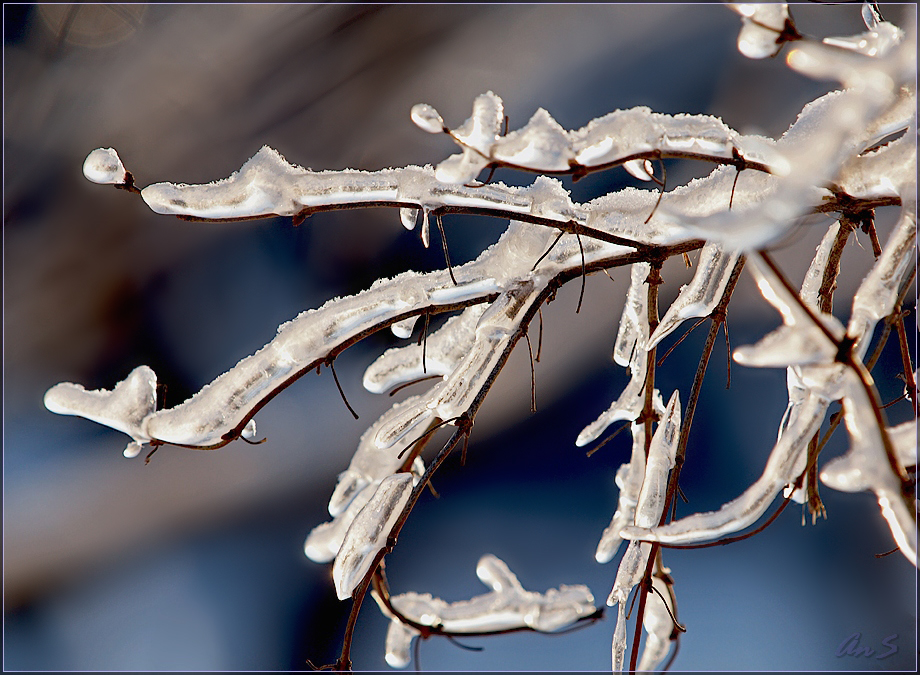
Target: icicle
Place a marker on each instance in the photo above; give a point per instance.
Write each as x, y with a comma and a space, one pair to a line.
125, 408
700, 297
408, 217
426, 229
630, 571
618, 647
495, 574
629, 480
427, 118
369, 531
661, 456
104, 166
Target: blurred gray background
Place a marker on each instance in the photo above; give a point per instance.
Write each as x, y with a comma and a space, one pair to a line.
194, 562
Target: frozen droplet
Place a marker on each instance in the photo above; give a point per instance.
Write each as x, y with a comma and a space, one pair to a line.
639, 168
427, 118
408, 217
249, 431
104, 166
403, 329
133, 449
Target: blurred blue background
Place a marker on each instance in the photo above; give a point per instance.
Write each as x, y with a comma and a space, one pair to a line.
195, 562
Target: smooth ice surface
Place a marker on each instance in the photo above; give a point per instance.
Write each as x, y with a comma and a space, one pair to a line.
658, 626
369, 531
700, 297
659, 463
126, 408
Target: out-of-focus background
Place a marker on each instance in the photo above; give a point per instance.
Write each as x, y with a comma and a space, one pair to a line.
195, 562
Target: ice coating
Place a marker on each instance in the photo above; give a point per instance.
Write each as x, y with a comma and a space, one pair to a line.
629, 480
876, 296
887, 172
658, 626
508, 606
125, 408
782, 468
630, 571
701, 296
618, 644
325, 540
369, 531
659, 463
453, 396
865, 466
103, 165
814, 276
443, 350
370, 464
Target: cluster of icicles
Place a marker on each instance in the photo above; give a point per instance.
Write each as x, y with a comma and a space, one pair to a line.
829, 144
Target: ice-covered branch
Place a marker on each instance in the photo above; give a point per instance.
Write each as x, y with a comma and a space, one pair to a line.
507, 607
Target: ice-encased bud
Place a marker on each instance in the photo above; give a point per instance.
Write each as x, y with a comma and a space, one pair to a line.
369, 531
761, 26
427, 118
249, 431
639, 168
103, 166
